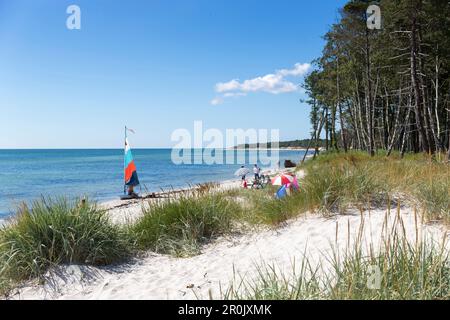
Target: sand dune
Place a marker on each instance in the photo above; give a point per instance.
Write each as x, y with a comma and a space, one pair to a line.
202, 276
207, 275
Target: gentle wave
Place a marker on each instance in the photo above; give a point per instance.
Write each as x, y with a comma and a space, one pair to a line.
98, 174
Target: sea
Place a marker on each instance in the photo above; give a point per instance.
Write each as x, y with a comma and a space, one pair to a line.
26, 175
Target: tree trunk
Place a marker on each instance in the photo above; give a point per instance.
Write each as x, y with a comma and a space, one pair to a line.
369, 100
436, 105
394, 137
355, 126
326, 129
339, 106
416, 85
405, 133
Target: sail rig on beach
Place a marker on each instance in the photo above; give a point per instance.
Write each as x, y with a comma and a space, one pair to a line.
130, 173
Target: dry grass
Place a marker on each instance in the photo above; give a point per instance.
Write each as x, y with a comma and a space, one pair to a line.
395, 269
336, 180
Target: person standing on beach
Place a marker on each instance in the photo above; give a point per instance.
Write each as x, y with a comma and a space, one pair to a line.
256, 171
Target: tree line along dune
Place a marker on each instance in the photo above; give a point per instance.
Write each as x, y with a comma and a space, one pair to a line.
385, 89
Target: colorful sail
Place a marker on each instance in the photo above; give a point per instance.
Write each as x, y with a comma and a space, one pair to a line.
131, 177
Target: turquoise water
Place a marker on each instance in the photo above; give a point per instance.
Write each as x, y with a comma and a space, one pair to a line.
27, 174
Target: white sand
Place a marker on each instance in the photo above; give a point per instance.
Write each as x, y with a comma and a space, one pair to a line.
128, 211
164, 277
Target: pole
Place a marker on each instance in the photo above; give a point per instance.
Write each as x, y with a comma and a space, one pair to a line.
124, 182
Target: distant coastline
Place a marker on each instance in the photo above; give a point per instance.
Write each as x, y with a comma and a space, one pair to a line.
300, 145
275, 149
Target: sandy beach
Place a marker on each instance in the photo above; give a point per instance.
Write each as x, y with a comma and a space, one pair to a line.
215, 150
128, 211
227, 259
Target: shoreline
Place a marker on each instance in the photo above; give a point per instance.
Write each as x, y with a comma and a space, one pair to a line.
181, 178
222, 261
113, 202
127, 211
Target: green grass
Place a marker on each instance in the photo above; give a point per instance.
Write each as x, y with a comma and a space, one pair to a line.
57, 232
335, 187
434, 196
272, 284
408, 271
60, 231
336, 181
180, 226
260, 207
333, 183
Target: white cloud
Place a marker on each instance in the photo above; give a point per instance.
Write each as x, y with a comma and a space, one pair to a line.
228, 86
272, 83
300, 69
216, 101
234, 94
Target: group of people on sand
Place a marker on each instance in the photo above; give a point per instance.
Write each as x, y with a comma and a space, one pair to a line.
256, 172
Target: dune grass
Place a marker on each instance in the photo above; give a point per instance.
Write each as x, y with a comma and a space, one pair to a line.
260, 207
407, 273
335, 181
180, 226
434, 197
335, 188
58, 231
397, 270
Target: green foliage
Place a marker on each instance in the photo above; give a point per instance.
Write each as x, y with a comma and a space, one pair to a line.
388, 88
335, 181
260, 207
58, 232
180, 226
408, 271
434, 196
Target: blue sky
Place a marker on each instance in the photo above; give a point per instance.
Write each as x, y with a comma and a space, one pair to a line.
157, 66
